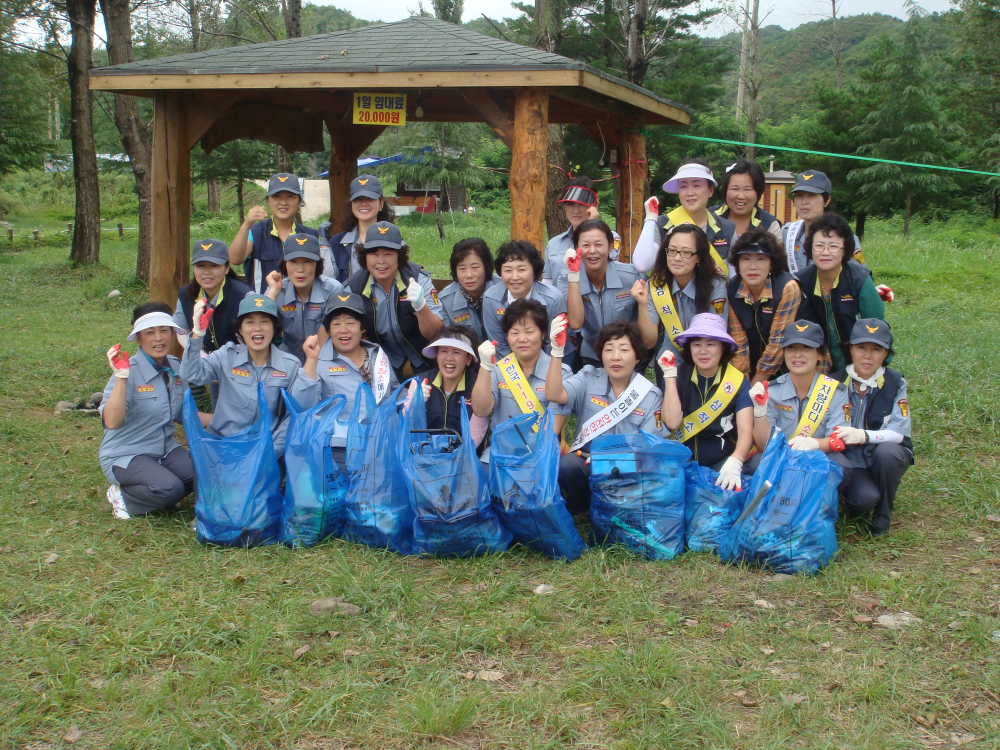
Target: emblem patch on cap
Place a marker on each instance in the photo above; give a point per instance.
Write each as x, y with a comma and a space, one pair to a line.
383, 230
258, 303
870, 329
206, 247
364, 181
303, 241
281, 179
801, 328
343, 299
808, 176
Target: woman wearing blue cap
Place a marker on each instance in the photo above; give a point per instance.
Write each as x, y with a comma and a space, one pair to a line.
240, 366
257, 245
836, 290
367, 206
707, 400
878, 436
146, 467
212, 279
302, 295
742, 186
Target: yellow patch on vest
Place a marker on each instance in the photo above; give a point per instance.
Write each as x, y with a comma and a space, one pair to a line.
719, 305
904, 407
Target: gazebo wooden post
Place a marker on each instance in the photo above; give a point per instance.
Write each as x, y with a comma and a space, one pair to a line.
528, 171
347, 143
171, 176
632, 183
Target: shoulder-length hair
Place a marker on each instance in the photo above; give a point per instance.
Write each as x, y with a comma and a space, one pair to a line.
705, 273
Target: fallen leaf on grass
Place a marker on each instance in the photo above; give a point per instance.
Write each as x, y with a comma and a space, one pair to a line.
767, 651
543, 589
924, 720
90, 551
52, 558
793, 699
963, 739
825, 644
481, 586
995, 608
982, 709
993, 519
7, 549
862, 619
668, 703
301, 651
749, 702
689, 622
763, 604
896, 621
740, 693
73, 735
333, 633
956, 625
879, 662
490, 675
975, 571
895, 575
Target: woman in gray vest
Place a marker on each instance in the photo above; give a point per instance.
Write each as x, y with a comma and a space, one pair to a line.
878, 437
472, 273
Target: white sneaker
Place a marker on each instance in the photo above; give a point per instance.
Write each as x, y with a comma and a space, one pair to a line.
118, 508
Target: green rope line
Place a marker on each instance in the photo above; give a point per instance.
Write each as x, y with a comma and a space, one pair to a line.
839, 156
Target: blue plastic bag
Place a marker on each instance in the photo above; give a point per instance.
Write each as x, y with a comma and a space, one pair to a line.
789, 525
377, 509
637, 489
709, 510
239, 496
524, 487
315, 487
448, 488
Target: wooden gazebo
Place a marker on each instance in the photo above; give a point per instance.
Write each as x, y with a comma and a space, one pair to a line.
283, 92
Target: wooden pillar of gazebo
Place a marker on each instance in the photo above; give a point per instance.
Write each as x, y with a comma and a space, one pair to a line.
528, 169
347, 143
171, 178
633, 171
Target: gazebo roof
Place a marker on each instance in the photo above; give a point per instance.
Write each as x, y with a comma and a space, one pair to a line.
419, 52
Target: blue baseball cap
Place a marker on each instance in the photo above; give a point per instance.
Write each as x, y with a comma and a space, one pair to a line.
210, 251
366, 186
257, 303
301, 246
803, 332
286, 182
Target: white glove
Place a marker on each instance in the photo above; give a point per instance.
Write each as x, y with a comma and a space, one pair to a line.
425, 388
652, 207
730, 475
572, 259
415, 294
557, 335
803, 443
668, 364
118, 361
488, 355
758, 393
851, 435
199, 309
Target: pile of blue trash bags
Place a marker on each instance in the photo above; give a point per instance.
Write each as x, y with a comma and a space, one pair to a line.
403, 487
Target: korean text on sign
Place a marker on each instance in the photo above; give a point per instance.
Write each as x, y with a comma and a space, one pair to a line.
379, 109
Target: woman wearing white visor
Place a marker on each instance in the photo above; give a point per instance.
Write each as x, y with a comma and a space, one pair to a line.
148, 470
694, 185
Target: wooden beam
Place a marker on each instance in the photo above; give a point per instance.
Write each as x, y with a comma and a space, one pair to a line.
347, 143
291, 129
633, 172
528, 170
204, 110
171, 177
494, 112
641, 101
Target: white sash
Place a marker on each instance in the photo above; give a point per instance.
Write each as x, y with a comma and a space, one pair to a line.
611, 415
380, 376
792, 233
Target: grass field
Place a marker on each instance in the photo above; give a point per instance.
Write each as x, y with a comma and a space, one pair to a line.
131, 635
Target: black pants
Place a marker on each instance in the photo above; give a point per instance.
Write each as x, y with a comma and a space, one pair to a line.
149, 485
751, 464
874, 488
574, 480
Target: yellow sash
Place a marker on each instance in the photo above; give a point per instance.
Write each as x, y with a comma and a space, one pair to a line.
667, 311
519, 386
816, 406
680, 216
695, 422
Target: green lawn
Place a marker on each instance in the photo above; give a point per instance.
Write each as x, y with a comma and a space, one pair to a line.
138, 637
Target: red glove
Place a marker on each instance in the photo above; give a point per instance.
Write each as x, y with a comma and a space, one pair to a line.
885, 292
118, 361
652, 207
205, 317
560, 338
668, 364
836, 444
573, 264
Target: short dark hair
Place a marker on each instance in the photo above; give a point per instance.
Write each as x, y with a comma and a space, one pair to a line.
362, 253
471, 246
238, 323
705, 273
589, 225
744, 166
520, 309
454, 331
350, 221
328, 318
151, 307
779, 263
727, 353
283, 269
831, 223
621, 329
520, 250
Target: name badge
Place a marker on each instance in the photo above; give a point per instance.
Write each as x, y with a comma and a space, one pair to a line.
241, 373
784, 407
146, 389
462, 318
315, 308
277, 374
288, 308
597, 400
337, 369
623, 295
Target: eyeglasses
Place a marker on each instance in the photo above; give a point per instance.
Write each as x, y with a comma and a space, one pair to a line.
685, 254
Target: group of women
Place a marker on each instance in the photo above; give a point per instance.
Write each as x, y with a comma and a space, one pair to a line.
746, 321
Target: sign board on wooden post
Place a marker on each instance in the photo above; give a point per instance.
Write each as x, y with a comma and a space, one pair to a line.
379, 109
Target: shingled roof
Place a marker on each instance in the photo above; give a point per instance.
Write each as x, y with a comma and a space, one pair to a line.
418, 44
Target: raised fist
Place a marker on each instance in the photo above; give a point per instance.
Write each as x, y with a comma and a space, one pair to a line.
572, 259
255, 214
310, 347
885, 292
640, 293
557, 334
198, 316
488, 355
652, 207
118, 361
758, 393
668, 364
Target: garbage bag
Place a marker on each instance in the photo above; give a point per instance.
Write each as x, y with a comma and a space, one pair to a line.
448, 488
709, 510
315, 487
239, 495
637, 486
788, 523
377, 509
524, 487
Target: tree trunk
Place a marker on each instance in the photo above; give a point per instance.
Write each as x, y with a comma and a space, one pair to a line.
741, 85
996, 205
292, 12
836, 41
859, 224
214, 191
239, 193
194, 16
135, 136
87, 225
635, 63
753, 87
555, 217
907, 215
284, 162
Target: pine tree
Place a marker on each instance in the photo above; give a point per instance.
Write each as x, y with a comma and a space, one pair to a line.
22, 112
906, 124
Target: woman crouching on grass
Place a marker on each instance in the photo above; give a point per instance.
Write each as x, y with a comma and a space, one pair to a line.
708, 400
878, 437
613, 399
147, 468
